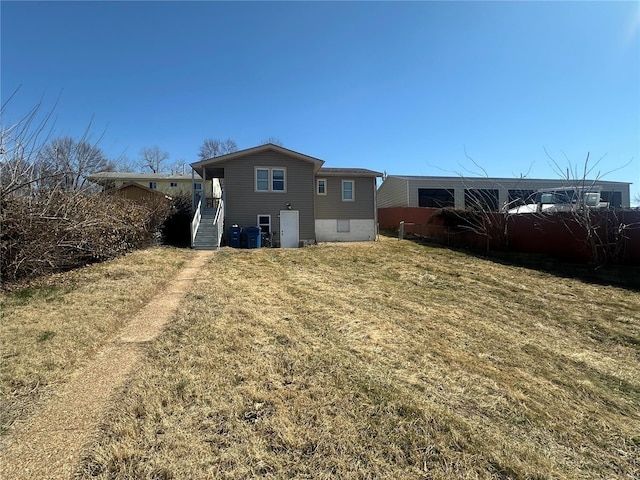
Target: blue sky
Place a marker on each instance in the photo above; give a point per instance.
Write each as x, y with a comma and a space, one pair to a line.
402, 87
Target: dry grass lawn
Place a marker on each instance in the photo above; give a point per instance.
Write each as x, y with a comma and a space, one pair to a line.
51, 328
379, 360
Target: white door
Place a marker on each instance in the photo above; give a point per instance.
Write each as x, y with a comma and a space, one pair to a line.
289, 228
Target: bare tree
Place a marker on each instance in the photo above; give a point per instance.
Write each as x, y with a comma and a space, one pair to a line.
601, 231
154, 159
64, 163
273, 140
20, 143
48, 222
213, 147
179, 167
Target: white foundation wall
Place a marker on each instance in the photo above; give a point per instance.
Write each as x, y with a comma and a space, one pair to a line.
359, 231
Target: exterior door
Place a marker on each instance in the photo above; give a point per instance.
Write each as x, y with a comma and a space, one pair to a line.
289, 228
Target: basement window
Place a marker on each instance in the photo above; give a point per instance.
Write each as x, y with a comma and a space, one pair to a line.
344, 226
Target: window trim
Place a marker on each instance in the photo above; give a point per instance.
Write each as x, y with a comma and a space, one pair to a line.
353, 191
270, 179
255, 179
197, 186
173, 184
324, 181
153, 185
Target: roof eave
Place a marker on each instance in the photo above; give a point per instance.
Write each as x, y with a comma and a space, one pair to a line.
198, 166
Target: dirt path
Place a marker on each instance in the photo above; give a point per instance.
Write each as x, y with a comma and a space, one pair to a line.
49, 446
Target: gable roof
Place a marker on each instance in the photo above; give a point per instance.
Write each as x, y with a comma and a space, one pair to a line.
198, 166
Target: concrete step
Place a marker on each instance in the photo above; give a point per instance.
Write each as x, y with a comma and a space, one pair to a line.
204, 247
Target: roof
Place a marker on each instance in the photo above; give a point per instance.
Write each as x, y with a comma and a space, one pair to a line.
351, 172
138, 176
507, 180
137, 186
259, 149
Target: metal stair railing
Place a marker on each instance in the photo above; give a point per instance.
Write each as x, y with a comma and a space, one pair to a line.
218, 222
195, 223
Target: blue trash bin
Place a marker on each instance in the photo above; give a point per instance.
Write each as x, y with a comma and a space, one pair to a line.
235, 235
253, 237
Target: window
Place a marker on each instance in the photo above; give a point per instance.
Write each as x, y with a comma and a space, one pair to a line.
197, 186
347, 191
485, 199
343, 226
152, 185
174, 184
436, 197
271, 179
614, 198
322, 186
262, 179
277, 180
521, 197
264, 222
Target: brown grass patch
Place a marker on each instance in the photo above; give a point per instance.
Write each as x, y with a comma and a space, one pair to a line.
52, 327
382, 360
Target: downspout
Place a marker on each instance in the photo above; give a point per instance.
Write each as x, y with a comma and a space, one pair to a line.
224, 209
375, 208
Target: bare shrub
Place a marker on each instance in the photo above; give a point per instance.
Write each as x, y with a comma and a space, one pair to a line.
487, 227
49, 221
56, 231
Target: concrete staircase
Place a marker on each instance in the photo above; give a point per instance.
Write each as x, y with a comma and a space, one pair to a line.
207, 235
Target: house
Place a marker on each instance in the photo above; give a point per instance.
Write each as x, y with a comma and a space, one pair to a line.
169, 184
288, 195
137, 192
490, 193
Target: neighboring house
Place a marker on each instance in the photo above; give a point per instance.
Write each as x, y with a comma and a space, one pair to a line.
490, 193
289, 196
168, 184
138, 193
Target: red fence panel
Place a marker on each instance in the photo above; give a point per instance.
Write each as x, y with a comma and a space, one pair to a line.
559, 234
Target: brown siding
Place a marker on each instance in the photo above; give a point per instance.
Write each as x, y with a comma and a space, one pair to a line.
164, 186
331, 206
243, 203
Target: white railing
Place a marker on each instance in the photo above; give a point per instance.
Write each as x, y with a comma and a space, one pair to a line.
218, 221
195, 223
